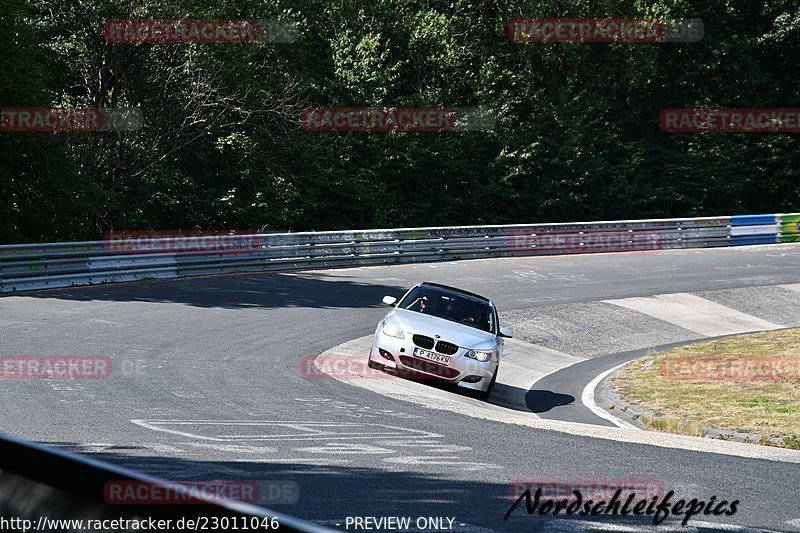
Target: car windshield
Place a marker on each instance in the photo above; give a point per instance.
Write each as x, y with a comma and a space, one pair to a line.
450, 305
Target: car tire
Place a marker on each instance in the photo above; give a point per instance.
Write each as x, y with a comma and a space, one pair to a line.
484, 395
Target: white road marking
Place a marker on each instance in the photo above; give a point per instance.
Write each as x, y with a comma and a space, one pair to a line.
164, 448
543, 299
468, 466
795, 523
328, 431
188, 394
695, 314
587, 398
64, 385
447, 448
95, 447
409, 443
323, 461
320, 404
345, 448
232, 448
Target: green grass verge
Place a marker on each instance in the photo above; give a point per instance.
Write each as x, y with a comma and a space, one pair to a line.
747, 383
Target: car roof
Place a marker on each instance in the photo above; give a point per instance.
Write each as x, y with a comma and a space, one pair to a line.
459, 291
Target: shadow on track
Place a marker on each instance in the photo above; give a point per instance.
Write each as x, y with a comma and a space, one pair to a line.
328, 494
542, 401
262, 290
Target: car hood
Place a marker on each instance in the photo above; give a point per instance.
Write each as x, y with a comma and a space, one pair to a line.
463, 336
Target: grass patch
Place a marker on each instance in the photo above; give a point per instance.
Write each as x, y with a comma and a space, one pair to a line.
747, 383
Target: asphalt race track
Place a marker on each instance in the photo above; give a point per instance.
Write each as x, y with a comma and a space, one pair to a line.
207, 384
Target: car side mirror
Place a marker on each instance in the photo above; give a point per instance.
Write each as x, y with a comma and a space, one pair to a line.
389, 300
506, 332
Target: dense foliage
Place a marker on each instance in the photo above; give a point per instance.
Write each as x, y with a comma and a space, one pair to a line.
577, 134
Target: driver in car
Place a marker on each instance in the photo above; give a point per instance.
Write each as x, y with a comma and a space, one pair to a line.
419, 304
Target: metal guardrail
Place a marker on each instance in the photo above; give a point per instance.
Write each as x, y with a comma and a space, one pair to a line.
48, 488
39, 266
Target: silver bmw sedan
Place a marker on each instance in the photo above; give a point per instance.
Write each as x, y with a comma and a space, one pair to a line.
443, 333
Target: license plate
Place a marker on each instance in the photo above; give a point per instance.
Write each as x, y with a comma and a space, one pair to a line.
430, 356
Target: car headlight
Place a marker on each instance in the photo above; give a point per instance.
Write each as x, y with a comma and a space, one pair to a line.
393, 331
481, 355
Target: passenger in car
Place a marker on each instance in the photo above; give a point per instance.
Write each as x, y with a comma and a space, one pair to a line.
474, 318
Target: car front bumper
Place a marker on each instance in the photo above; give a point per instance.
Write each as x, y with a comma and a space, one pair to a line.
398, 355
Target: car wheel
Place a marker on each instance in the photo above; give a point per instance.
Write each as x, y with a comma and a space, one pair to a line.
484, 395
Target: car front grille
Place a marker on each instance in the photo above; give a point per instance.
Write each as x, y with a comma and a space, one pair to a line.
427, 343
428, 367
447, 348
423, 342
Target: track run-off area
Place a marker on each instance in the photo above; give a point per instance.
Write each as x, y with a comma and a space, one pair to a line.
208, 382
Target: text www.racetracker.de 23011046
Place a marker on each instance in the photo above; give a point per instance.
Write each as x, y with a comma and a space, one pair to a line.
195, 523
